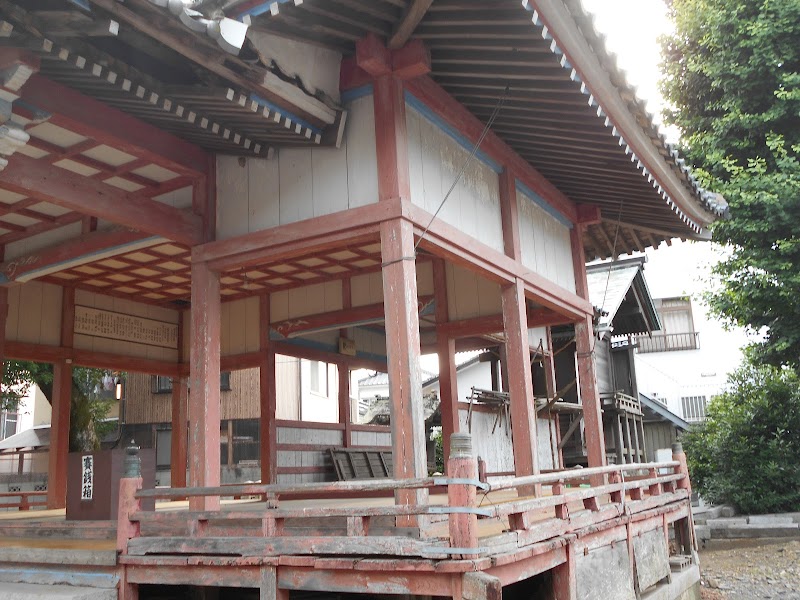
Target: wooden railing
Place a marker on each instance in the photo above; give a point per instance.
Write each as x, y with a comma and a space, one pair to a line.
22, 500
667, 342
270, 530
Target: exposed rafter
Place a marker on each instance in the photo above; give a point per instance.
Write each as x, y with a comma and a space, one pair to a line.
413, 14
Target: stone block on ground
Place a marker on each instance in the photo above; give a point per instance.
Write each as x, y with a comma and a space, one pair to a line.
770, 520
726, 522
727, 512
27, 591
703, 532
756, 531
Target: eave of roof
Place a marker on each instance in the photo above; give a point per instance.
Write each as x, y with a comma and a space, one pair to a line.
663, 412
568, 112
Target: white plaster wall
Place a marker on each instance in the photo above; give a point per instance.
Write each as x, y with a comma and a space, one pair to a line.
435, 159
544, 243
299, 183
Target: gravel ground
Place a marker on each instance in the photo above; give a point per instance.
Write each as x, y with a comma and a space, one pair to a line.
751, 569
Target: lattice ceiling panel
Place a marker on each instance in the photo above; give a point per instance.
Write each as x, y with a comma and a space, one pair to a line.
23, 214
160, 274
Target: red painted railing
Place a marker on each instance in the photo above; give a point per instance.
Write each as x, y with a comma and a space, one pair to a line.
22, 500
532, 517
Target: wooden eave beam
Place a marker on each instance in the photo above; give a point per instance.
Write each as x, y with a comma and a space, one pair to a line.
199, 49
348, 317
414, 13
106, 125
35, 178
89, 247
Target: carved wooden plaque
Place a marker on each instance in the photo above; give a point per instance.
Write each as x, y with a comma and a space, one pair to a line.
126, 328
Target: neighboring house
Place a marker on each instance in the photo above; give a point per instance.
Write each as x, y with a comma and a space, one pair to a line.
673, 367
307, 390
21, 433
636, 425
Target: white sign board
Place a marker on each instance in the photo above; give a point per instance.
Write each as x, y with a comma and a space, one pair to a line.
87, 477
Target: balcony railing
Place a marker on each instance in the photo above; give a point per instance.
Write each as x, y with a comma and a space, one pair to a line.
668, 342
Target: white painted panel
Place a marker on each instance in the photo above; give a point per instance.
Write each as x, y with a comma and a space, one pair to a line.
366, 289
494, 447
232, 196
329, 188
34, 314
435, 160
296, 185
359, 144
537, 335
263, 188
239, 326
470, 295
299, 183
545, 442
545, 243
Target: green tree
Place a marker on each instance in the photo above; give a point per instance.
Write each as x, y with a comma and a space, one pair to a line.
87, 409
732, 74
748, 451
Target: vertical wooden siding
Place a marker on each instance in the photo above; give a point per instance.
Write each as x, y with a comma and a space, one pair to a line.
435, 159
545, 243
299, 183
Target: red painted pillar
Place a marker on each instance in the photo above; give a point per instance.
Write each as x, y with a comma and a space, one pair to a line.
59, 435
400, 292
180, 432
343, 370
204, 373
3, 318
446, 351
520, 380
60, 406
587, 370
268, 398
403, 356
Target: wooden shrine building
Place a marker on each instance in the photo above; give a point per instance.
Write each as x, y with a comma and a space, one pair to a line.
196, 187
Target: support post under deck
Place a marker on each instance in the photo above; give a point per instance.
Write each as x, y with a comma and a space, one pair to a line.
204, 373
180, 432
268, 398
446, 351
403, 355
587, 369
520, 380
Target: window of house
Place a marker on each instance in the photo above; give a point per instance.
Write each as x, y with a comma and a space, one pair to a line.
163, 448
8, 424
694, 407
163, 384
318, 377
